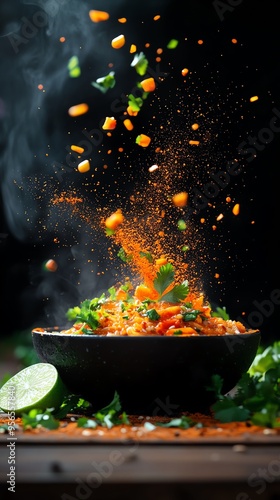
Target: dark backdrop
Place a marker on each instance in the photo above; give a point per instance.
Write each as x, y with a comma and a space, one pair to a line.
35, 131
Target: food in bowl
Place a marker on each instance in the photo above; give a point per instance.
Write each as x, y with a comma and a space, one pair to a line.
164, 309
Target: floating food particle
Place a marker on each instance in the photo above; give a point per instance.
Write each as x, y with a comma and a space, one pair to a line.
128, 124
96, 16
122, 20
153, 168
200, 42
140, 63
228, 199
185, 71
62, 39
78, 109
77, 149
157, 17
148, 85
172, 44
131, 111
40, 86
194, 143
233, 40
84, 166
180, 199
181, 224
236, 209
195, 126
105, 82
254, 98
143, 140
73, 67
51, 265
118, 42
220, 216
216, 275
214, 228
114, 220
185, 248
161, 261
133, 48
110, 123
159, 51
202, 220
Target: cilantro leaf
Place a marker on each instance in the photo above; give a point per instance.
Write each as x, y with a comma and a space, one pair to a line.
105, 83
164, 278
140, 63
178, 292
37, 417
191, 315
220, 313
147, 255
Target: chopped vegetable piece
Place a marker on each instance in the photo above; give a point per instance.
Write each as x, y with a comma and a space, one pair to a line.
157, 17
73, 67
180, 199
236, 209
84, 166
220, 216
182, 226
194, 143
110, 123
122, 20
254, 98
118, 42
77, 149
128, 124
78, 109
114, 220
143, 140
133, 48
131, 111
172, 44
185, 71
97, 16
140, 63
51, 265
148, 85
195, 126
105, 82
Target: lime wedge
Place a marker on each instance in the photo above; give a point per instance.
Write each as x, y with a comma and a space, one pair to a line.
37, 386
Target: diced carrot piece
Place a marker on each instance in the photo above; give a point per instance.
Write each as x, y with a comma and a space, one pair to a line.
122, 20
143, 140
195, 126
131, 111
77, 149
84, 166
128, 124
114, 220
148, 85
168, 312
118, 42
133, 48
194, 143
110, 123
185, 71
98, 15
180, 199
51, 265
78, 109
143, 292
236, 209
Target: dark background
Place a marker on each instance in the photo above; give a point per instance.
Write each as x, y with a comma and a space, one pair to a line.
247, 254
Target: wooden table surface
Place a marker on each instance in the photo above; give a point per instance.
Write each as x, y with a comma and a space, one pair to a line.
87, 466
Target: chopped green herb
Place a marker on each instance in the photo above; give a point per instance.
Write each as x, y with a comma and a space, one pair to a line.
220, 312
153, 314
140, 63
105, 83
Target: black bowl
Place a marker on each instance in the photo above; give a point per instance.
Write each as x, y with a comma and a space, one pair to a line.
152, 375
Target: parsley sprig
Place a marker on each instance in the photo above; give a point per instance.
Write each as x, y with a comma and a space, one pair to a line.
164, 278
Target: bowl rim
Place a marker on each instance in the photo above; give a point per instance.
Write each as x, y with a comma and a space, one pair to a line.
55, 332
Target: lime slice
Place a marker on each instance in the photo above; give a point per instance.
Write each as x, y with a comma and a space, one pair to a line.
37, 386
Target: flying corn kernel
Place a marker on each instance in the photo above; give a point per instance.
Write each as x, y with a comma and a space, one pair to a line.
84, 166
118, 42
